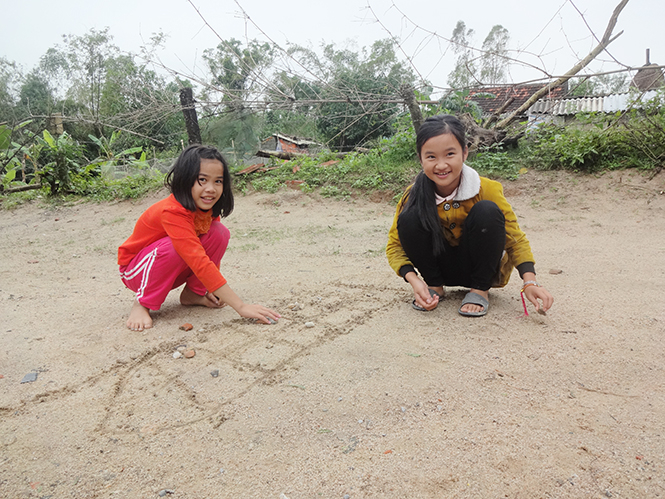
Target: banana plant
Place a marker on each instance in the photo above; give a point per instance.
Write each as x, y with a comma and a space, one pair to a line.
108, 161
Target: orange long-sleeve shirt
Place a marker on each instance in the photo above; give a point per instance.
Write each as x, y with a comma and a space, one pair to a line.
169, 218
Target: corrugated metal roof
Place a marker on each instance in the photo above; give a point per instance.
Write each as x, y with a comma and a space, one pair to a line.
607, 104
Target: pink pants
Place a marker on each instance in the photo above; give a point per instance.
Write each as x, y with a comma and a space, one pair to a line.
157, 268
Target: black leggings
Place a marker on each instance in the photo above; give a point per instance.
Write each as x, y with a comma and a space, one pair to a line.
475, 263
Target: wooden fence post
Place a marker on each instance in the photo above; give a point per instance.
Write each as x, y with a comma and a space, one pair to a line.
189, 112
407, 93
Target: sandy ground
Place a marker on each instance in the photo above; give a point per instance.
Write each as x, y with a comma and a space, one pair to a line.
376, 400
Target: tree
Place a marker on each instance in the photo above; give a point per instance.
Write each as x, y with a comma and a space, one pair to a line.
239, 74
464, 73
82, 64
598, 85
494, 64
36, 96
8, 77
374, 76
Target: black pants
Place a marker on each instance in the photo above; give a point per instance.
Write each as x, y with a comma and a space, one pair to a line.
474, 263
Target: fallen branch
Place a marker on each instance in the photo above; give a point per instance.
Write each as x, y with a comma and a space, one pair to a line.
294, 155
604, 42
20, 188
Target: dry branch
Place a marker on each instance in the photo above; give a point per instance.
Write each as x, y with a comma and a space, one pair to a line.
20, 188
604, 42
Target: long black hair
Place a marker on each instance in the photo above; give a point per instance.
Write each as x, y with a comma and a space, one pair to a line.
185, 172
421, 197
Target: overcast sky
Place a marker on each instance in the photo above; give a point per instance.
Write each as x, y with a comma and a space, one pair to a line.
554, 30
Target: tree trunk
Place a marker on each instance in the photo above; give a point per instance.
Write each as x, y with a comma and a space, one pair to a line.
407, 93
476, 136
189, 112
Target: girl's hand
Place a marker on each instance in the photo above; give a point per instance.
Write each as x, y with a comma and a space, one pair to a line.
535, 293
259, 312
421, 292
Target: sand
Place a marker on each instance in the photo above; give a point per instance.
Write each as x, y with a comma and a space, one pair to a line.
376, 399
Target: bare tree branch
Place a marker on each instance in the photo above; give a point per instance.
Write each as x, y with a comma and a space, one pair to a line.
604, 42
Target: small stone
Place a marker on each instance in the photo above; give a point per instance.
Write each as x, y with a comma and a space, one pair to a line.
214, 373
556, 271
347, 496
177, 355
271, 320
221, 470
190, 353
164, 492
187, 327
29, 378
294, 306
309, 324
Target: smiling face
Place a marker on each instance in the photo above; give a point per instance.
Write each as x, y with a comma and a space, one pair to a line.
442, 158
209, 185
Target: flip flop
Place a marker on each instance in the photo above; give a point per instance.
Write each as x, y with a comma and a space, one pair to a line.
421, 309
474, 299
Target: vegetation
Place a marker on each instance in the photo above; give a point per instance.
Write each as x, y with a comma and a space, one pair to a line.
119, 118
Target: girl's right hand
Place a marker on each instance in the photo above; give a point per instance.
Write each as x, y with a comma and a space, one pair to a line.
422, 295
263, 314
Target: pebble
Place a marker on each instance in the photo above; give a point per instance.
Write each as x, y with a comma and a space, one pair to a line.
163, 492
177, 355
214, 373
187, 327
29, 378
556, 271
309, 324
190, 353
294, 306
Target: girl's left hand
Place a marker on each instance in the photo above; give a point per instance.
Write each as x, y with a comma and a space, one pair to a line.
535, 293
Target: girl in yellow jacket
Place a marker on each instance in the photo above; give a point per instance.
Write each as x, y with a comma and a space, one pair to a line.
457, 229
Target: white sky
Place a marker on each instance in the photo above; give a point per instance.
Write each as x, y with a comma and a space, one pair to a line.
555, 30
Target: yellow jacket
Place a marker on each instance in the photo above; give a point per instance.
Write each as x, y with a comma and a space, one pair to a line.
472, 188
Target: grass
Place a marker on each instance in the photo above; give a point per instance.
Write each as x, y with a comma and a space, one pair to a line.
392, 165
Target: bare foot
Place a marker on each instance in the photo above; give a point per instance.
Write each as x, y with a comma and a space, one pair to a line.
439, 290
139, 318
472, 307
189, 298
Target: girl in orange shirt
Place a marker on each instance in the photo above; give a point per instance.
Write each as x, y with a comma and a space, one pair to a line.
181, 240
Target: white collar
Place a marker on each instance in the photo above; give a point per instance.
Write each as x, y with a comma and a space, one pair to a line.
469, 186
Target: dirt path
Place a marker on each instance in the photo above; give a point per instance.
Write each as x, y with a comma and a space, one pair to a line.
376, 400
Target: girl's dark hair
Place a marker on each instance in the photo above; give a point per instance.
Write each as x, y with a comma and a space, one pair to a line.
421, 197
185, 173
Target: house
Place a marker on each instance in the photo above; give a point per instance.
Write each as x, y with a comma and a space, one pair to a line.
501, 95
562, 111
284, 143
648, 77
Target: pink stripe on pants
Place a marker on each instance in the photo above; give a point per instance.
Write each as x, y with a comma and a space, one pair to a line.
157, 268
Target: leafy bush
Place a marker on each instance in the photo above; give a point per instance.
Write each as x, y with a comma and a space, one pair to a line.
597, 142
495, 163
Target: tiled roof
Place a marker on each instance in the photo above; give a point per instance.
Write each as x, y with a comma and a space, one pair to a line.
521, 93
